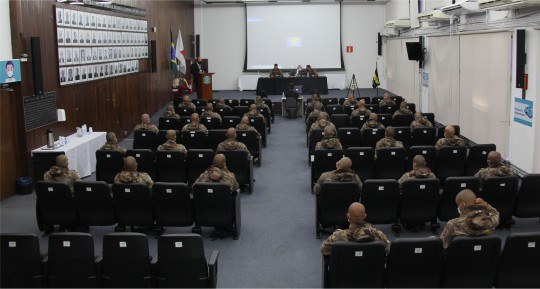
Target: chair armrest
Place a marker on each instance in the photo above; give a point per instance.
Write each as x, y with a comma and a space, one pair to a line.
213, 269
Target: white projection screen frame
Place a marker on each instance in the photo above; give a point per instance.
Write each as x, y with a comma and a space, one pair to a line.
292, 35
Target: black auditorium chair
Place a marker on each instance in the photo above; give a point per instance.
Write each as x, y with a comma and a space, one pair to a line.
199, 102
440, 132
348, 109
386, 119
370, 136
376, 99
403, 119
266, 113
428, 152
367, 99
232, 102
216, 206
195, 139
215, 137
94, 204
358, 120
471, 262
334, 109
363, 161
324, 160
198, 160
381, 198
452, 186
181, 263
185, 111
246, 102
126, 261
224, 111
419, 199
355, 265
430, 116
520, 261
308, 110
414, 263
349, 137
501, 193
183, 121
166, 123
270, 105
340, 120
291, 107
330, 101
242, 167
309, 121
252, 142
528, 199
70, 261
133, 205
55, 206
403, 134
173, 204
145, 161
230, 121
211, 122
258, 124
373, 107
108, 164
170, 166
397, 99
333, 203
144, 139
388, 108
477, 157
451, 162
200, 109
390, 163
425, 136
162, 137
240, 110
42, 162
20, 261
316, 136
412, 107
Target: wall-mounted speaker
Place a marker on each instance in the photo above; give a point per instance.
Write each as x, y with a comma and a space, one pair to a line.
521, 58
153, 56
197, 45
36, 65
379, 44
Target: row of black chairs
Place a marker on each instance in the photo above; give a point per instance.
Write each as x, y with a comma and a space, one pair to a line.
93, 203
231, 102
125, 262
237, 111
473, 262
369, 100
387, 109
419, 201
357, 121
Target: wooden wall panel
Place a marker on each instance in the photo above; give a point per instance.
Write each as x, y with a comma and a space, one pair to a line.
10, 166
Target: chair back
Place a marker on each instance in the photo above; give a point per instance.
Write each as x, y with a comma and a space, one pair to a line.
94, 203
381, 198
174, 207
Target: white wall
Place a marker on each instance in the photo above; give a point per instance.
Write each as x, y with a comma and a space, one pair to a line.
403, 74
5, 31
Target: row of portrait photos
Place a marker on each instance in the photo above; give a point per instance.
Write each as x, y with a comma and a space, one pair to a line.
82, 37
78, 74
70, 56
74, 18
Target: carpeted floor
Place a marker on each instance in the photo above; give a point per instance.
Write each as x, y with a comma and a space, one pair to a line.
277, 246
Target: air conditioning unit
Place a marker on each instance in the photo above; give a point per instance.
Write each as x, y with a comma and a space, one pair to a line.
465, 7
433, 16
399, 23
506, 4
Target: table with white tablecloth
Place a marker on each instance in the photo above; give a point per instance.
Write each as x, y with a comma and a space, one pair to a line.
81, 151
249, 81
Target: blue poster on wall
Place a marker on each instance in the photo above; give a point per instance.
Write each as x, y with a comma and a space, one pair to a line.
523, 111
10, 71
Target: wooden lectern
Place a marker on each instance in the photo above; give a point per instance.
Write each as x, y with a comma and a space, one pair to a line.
205, 85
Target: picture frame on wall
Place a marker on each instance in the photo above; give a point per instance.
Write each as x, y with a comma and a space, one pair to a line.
77, 74
76, 58
82, 52
61, 56
59, 16
80, 16
75, 39
69, 58
82, 35
67, 17
83, 73
62, 76
86, 20
60, 36
94, 54
88, 37
93, 20
89, 73
68, 36
88, 55
74, 18
70, 76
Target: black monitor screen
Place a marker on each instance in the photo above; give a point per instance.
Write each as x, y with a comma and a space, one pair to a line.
414, 51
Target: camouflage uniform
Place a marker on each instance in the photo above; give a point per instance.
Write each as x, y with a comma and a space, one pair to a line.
147, 126
313, 102
190, 105
255, 114
361, 111
314, 113
222, 106
217, 175
276, 73
420, 123
372, 124
172, 146
389, 102
232, 145
499, 171
361, 233
339, 176
350, 103
475, 220
388, 142
211, 114
62, 175
321, 124
403, 111
111, 146
419, 173
192, 126
329, 143
171, 114
451, 141
261, 104
242, 126
128, 177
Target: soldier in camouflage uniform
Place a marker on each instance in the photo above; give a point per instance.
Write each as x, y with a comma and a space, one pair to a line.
317, 108
330, 141
276, 72
342, 173
450, 138
244, 125
218, 173
386, 100
495, 167
373, 122
259, 103
315, 98
389, 141
403, 109
170, 112
210, 112
171, 145
111, 144
361, 109
60, 172
186, 103
350, 101
222, 104
321, 123
254, 112
359, 231
420, 121
419, 171
231, 144
477, 218
146, 125
131, 175
194, 125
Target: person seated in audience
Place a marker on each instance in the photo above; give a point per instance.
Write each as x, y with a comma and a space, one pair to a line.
259, 103
420, 121
244, 125
254, 112
476, 218
389, 141
298, 72
222, 104
186, 103
350, 101
359, 231
130, 174
450, 138
170, 112
403, 109
315, 98
60, 172
373, 122
419, 171
231, 144
111, 144
495, 167
291, 92
317, 109
310, 72
386, 100
146, 125
321, 123
194, 125
209, 112
171, 145
330, 141
218, 173
361, 109
342, 173
276, 72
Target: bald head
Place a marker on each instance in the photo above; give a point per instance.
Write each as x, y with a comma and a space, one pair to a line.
195, 117
219, 161
185, 99
344, 163
494, 159
130, 164
362, 103
419, 161
318, 106
145, 118
231, 133
356, 213
253, 107
417, 115
170, 108
258, 98
171, 135
111, 137
373, 116
328, 131
62, 161
386, 96
403, 105
222, 101
449, 131
465, 198
323, 115
209, 106
245, 120
390, 132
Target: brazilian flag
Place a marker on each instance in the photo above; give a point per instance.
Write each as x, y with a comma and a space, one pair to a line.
173, 64
375, 82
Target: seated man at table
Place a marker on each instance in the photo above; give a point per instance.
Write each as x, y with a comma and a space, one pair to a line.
321, 123
386, 100
111, 144
329, 141
60, 172
373, 122
276, 72
131, 175
298, 72
291, 92
218, 173
170, 112
342, 173
231, 144
209, 112
244, 125
171, 145
361, 109
254, 112
194, 125
146, 125
310, 72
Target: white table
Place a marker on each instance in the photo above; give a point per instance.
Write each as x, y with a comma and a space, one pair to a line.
249, 81
336, 81
81, 151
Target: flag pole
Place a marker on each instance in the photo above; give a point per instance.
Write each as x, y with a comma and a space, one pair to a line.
377, 69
